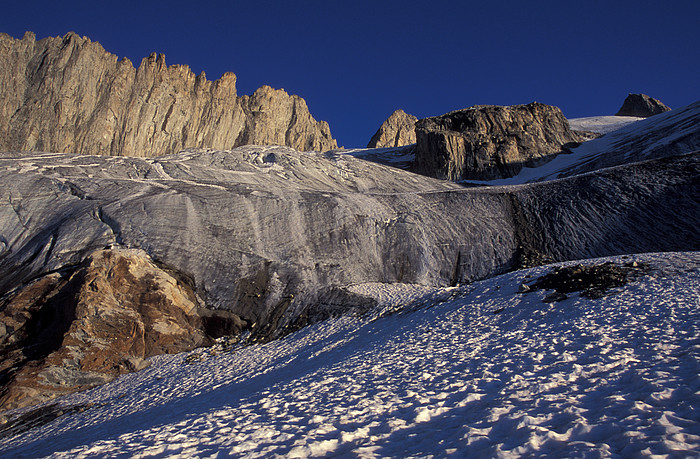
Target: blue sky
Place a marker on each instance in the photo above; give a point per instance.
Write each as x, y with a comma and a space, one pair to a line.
355, 62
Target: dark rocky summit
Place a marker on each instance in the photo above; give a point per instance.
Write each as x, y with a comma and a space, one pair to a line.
487, 142
69, 95
642, 106
397, 131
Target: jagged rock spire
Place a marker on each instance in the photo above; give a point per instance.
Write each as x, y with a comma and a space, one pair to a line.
70, 95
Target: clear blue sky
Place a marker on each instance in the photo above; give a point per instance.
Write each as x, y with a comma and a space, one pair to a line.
357, 61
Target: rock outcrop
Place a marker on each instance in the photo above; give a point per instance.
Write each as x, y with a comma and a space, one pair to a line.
486, 142
70, 95
642, 106
78, 328
397, 131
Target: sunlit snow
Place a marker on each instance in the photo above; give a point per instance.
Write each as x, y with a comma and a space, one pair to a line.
601, 124
472, 371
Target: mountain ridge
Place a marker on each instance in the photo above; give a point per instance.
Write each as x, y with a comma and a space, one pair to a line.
63, 90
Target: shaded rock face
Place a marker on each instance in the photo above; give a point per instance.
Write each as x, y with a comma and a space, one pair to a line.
397, 131
73, 330
70, 95
642, 106
487, 142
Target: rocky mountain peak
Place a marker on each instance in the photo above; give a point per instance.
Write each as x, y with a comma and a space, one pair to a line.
398, 130
642, 106
488, 141
59, 91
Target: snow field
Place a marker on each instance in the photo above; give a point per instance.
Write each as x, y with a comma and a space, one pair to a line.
644, 137
615, 376
602, 124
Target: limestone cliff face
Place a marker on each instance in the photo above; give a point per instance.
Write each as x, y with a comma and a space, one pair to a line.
275, 118
70, 95
397, 131
488, 141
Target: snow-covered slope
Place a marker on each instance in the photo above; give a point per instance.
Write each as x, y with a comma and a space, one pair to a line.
602, 124
473, 371
398, 157
667, 134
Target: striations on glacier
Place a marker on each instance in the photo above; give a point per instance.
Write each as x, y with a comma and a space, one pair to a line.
267, 239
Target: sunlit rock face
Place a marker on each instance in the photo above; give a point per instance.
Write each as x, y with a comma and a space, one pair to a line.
487, 142
83, 326
396, 131
67, 94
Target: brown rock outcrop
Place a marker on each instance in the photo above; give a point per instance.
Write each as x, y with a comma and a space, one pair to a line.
62, 333
488, 142
642, 106
397, 131
70, 95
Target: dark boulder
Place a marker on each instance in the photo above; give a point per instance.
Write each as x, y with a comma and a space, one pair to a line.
593, 281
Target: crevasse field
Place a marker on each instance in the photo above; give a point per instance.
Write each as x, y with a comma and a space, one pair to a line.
473, 371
